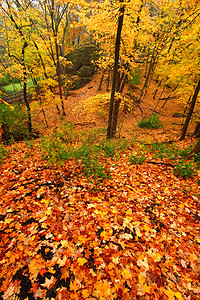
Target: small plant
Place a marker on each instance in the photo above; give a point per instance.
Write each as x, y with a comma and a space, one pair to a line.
197, 158
136, 77
15, 121
184, 169
165, 150
88, 155
67, 133
152, 122
111, 147
3, 153
54, 151
137, 159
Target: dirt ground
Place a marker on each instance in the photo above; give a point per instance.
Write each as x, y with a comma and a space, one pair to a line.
128, 122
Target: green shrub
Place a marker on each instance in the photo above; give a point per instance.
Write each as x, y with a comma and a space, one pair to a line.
15, 121
54, 151
152, 122
168, 151
89, 159
136, 77
3, 153
67, 133
197, 158
111, 147
137, 159
164, 150
185, 169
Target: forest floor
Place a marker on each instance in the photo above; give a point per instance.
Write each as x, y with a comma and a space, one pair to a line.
132, 235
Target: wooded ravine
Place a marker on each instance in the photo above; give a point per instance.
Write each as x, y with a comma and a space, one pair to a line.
100, 162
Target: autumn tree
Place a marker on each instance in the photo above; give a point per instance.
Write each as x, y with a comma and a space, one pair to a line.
132, 38
177, 39
16, 42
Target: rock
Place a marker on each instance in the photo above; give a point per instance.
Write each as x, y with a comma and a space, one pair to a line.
82, 65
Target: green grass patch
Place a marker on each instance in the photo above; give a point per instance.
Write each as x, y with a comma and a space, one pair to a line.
16, 87
152, 122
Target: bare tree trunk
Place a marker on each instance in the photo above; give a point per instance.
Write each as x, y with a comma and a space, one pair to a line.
154, 63
108, 81
159, 84
147, 78
45, 73
116, 107
159, 99
194, 98
58, 70
110, 134
169, 95
101, 81
25, 88
40, 99
147, 61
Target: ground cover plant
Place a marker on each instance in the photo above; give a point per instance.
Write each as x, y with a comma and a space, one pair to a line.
152, 122
15, 122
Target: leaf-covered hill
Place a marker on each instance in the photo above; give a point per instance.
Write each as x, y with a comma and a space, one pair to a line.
134, 235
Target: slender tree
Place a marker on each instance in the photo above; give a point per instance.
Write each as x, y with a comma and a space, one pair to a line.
112, 116
191, 109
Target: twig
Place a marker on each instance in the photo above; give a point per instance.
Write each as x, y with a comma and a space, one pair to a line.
160, 163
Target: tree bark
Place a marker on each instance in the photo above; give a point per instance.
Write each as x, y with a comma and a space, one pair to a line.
101, 81
159, 84
58, 71
110, 134
194, 98
25, 88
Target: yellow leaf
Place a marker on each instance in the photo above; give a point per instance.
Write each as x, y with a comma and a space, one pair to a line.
115, 260
85, 293
126, 274
143, 264
178, 295
40, 192
81, 261
8, 221
48, 211
147, 288
137, 230
142, 279
74, 286
147, 228
170, 294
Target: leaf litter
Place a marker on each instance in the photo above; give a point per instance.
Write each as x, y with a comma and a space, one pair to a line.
134, 236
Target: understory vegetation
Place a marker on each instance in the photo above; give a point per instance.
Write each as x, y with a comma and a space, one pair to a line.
90, 148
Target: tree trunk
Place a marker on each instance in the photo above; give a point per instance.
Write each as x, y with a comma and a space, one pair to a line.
110, 134
58, 70
101, 81
159, 84
170, 95
25, 88
108, 81
194, 98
